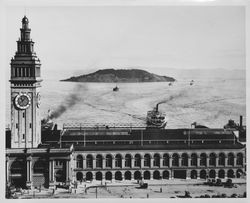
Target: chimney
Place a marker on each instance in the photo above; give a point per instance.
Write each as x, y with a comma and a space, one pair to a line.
241, 118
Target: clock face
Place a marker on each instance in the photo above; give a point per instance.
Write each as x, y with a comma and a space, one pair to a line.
22, 101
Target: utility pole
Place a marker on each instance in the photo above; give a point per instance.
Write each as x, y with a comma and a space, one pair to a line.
96, 192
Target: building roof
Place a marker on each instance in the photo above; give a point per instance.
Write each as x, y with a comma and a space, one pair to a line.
151, 139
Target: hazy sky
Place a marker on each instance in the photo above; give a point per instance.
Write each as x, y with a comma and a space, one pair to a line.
152, 36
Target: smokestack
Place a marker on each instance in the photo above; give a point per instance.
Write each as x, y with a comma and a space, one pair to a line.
157, 107
241, 118
55, 127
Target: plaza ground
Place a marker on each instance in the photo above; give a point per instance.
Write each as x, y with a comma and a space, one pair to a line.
130, 189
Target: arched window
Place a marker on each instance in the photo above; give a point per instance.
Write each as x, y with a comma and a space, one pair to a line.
230, 161
157, 160
203, 159
99, 161
212, 159
79, 161
89, 161
184, 159
118, 161
108, 161
137, 160
128, 160
193, 159
239, 159
221, 159
165, 160
147, 160
175, 159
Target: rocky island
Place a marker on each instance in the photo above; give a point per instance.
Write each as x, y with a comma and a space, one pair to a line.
121, 76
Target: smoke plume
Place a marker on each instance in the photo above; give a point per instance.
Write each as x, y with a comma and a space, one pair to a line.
70, 101
172, 97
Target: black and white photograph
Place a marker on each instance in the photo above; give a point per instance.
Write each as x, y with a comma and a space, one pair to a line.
126, 100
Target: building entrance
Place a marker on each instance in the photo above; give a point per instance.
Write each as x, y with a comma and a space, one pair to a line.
181, 174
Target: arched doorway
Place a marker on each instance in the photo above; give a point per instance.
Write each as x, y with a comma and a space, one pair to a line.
40, 174
239, 173
108, 176
221, 174
89, 176
156, 175
212, 174
193, 174
18, 174
60, 176
98, 175
118, 175
230, 173
203, 174
165, 175
127, 175
79, 176
137, 175
146, 175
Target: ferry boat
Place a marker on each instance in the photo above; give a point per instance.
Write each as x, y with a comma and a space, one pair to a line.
156, 119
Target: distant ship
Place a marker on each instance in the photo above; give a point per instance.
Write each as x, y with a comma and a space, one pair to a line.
116, 89
192, 82
156, 119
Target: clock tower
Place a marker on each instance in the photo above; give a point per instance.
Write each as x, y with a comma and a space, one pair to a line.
25, 92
